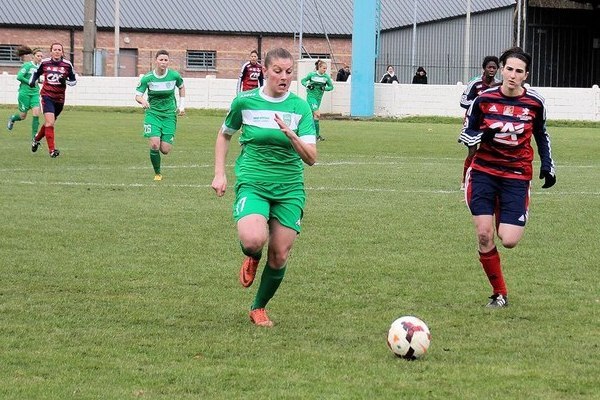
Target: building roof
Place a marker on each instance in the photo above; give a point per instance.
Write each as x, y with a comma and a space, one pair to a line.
243, 16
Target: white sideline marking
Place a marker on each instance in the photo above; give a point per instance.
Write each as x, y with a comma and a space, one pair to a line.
318, 188
108, 184
417, 160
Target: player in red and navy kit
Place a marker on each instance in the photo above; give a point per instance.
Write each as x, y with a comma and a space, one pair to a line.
475, 88
502, 120
57, 73
251, 75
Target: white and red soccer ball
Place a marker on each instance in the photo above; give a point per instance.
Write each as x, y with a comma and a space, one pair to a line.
409, 337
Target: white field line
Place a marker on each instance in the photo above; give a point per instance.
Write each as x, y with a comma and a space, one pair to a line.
309, 188
405, 161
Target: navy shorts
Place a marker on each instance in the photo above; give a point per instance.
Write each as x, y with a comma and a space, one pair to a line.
51, 106
506, 198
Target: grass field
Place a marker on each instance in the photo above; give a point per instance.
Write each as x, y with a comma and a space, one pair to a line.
113, 286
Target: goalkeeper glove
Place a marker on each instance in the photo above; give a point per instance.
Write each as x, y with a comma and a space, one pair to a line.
550, 178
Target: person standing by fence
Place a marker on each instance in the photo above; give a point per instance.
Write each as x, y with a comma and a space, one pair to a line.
389, 76
420, 76
251, 75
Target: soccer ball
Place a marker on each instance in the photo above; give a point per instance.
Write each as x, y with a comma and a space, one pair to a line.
409, 337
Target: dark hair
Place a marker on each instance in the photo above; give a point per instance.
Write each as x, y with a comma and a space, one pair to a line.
23, 50
278, 53
421, 69
57, 44
489, 59
388, 67
516, 52
318, 63
161, 53
254, 52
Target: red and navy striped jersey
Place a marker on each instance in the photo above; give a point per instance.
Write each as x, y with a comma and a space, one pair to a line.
251, 77
57, 74
474, 89
509, 153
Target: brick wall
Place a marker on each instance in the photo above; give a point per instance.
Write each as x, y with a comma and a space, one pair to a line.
232, 50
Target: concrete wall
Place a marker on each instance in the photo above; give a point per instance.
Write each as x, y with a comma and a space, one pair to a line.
390, 100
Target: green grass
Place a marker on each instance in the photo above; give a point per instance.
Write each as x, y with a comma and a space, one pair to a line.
116, 287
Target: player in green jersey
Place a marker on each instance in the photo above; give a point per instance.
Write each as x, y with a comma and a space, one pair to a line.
161, 107
317, 82
29, 97
278, 138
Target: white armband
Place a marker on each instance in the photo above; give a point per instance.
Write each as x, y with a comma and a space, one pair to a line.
181, 103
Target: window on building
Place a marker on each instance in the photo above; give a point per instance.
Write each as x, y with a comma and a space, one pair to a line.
316, 56
201, 60
8, 54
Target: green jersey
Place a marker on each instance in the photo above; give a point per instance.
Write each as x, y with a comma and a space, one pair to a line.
161, 91
24, 75
267, 154
317, 84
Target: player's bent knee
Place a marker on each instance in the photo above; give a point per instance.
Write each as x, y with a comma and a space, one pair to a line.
509, 244
253, 243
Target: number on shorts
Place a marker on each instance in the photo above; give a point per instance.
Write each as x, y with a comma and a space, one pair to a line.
239, 207
147, 128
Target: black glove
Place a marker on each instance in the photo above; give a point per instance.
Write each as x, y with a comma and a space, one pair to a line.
488, 134
549, 177
310, 87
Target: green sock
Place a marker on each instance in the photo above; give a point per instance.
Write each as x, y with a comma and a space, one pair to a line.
269, 283
248, 253
35, 124
317, 126
155, 159
15, 118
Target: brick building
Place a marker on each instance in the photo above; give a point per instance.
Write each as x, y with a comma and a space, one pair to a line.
213, 40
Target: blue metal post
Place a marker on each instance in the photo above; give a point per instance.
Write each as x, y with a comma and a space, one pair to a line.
364, 30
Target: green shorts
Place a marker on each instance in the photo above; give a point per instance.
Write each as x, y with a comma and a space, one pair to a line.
160, 126
284, 202
313, 103
28, 101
